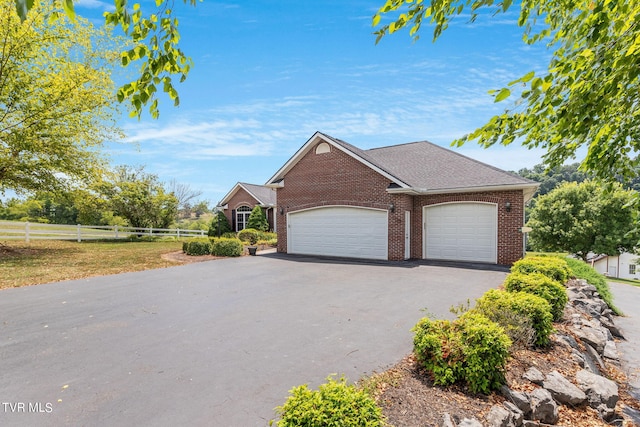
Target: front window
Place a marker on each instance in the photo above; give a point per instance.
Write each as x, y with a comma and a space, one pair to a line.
242, 217
632, 269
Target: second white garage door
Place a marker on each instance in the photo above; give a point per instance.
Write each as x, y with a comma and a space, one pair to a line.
341, 231
461, 232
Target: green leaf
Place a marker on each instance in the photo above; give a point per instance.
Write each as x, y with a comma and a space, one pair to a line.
67, 5
502, 95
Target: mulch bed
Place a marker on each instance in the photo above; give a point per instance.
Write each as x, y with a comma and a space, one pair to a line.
411, 399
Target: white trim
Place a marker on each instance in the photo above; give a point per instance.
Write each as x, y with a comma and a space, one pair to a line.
424, 224
527, 189
407, 234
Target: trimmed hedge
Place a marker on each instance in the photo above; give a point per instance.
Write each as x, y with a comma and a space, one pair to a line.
542, 286
582, 270
335, 403
472, 349
551, 266
197, 247
526, 318
226, 247
248, 235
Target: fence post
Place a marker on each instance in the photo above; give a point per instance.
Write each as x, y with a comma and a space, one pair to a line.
150, 231
202, 233
26, 231
116, 228
178, 233
79, 234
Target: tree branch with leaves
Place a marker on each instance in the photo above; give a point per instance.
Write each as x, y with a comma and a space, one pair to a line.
589, 97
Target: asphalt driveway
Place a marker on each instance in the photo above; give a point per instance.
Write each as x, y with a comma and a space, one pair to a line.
213, 343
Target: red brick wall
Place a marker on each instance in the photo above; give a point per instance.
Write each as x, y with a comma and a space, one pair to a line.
242, 198
336, 178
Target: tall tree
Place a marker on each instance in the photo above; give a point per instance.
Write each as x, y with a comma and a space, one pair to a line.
588, 97
583, 218
141, 198
56, 98
154, 38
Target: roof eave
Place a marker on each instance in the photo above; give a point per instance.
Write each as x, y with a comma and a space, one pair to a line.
528, 190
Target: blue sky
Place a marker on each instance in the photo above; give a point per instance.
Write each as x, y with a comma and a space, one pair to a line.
268, 74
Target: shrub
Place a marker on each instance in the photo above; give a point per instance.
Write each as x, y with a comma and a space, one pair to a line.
248, 235
335, 403
472, 349
258, 220
526, 318
542, 286
581, 270
197, 247
551, 266
226, 247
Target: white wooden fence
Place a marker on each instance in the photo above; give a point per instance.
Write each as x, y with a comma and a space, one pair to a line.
37, 231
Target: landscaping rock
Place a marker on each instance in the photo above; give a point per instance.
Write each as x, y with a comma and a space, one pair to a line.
470, 423
592, 336
592, 307
516, 413
544, 408
599, 391
447, 421
578, 358
611, 351
568, 340
499, 416
611, 327
562, 390
595, 356
534, 375
519, 399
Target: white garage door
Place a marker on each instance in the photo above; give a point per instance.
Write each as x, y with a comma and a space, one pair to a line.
461, 232
338, 231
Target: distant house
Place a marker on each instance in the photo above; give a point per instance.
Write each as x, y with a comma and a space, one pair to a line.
415, 200
242, 198
623, 266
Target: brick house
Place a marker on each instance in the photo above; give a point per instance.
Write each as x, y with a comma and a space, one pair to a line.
242, 198
415, 200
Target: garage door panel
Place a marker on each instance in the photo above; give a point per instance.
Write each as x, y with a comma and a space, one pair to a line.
461, 231
339, 231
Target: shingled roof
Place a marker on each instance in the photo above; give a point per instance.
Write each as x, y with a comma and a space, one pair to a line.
265, 196
423, 168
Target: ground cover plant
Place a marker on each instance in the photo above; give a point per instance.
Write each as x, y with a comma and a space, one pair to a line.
582, 270
44, 261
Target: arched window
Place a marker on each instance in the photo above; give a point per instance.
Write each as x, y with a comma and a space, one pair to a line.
242, 217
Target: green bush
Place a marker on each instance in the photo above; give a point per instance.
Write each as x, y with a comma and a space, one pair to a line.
248, 235
551, 266
335, 403
582, 270
526, 318
197, 247
226, 247
472, 349
542, 286
258, 220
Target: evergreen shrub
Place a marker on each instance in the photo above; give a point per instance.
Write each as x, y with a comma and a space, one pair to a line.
197, 247
551, 266
472, 349
542, 286
526, 318
335, 403
226, 247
